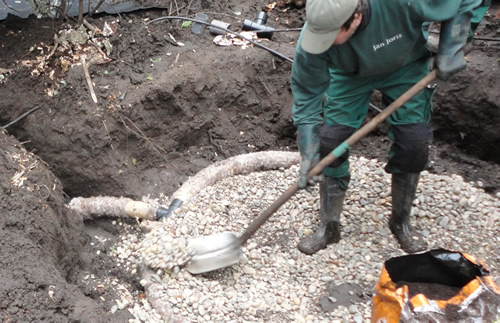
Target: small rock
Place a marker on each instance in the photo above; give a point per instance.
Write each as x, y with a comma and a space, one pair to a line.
444, 221
248, 270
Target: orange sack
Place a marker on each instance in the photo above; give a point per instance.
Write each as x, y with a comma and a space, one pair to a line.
435, 286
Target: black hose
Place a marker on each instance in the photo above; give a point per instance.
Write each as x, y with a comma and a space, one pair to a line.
486, 38
225, 29
24, 115
282, 30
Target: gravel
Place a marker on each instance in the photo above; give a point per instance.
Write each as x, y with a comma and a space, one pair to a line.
274, 282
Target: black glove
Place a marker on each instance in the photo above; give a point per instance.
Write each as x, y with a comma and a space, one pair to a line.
308, 140
452, 40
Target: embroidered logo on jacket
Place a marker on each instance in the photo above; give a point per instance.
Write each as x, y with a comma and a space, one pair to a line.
387, 41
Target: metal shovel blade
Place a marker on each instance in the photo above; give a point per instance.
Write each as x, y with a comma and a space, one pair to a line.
214, 252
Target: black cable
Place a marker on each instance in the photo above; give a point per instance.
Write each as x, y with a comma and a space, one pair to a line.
281, 30
225, 29
486, 38
24, 115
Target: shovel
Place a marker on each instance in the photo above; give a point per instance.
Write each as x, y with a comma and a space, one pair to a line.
224, 249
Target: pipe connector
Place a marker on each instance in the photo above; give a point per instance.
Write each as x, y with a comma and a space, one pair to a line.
259, 25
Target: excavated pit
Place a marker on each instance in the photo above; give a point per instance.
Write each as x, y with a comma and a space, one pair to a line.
164, 113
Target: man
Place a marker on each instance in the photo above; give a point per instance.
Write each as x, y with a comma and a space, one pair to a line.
348, 49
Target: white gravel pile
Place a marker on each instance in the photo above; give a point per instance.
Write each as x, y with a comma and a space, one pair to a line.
274, 282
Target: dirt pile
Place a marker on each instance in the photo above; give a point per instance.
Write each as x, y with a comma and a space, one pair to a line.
42, 243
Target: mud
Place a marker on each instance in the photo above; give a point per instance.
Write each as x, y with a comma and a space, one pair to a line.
164, 112
345, 294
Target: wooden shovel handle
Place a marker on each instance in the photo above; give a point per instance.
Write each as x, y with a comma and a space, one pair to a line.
339, 151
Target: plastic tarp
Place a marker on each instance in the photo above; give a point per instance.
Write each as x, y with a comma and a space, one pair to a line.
435, 286
24, 8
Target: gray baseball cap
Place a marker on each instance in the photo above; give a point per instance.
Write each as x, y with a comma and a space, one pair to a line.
323, 21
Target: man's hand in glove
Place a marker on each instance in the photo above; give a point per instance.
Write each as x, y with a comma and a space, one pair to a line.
308, 140
452, 40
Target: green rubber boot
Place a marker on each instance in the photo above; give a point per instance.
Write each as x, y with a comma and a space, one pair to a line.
331, 197
404, 187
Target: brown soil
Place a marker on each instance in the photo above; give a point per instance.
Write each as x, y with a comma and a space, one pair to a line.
164, 112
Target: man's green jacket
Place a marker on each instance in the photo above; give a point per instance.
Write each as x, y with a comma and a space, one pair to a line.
388, 39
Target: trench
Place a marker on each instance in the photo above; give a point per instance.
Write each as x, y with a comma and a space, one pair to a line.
180, 128
103, 227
